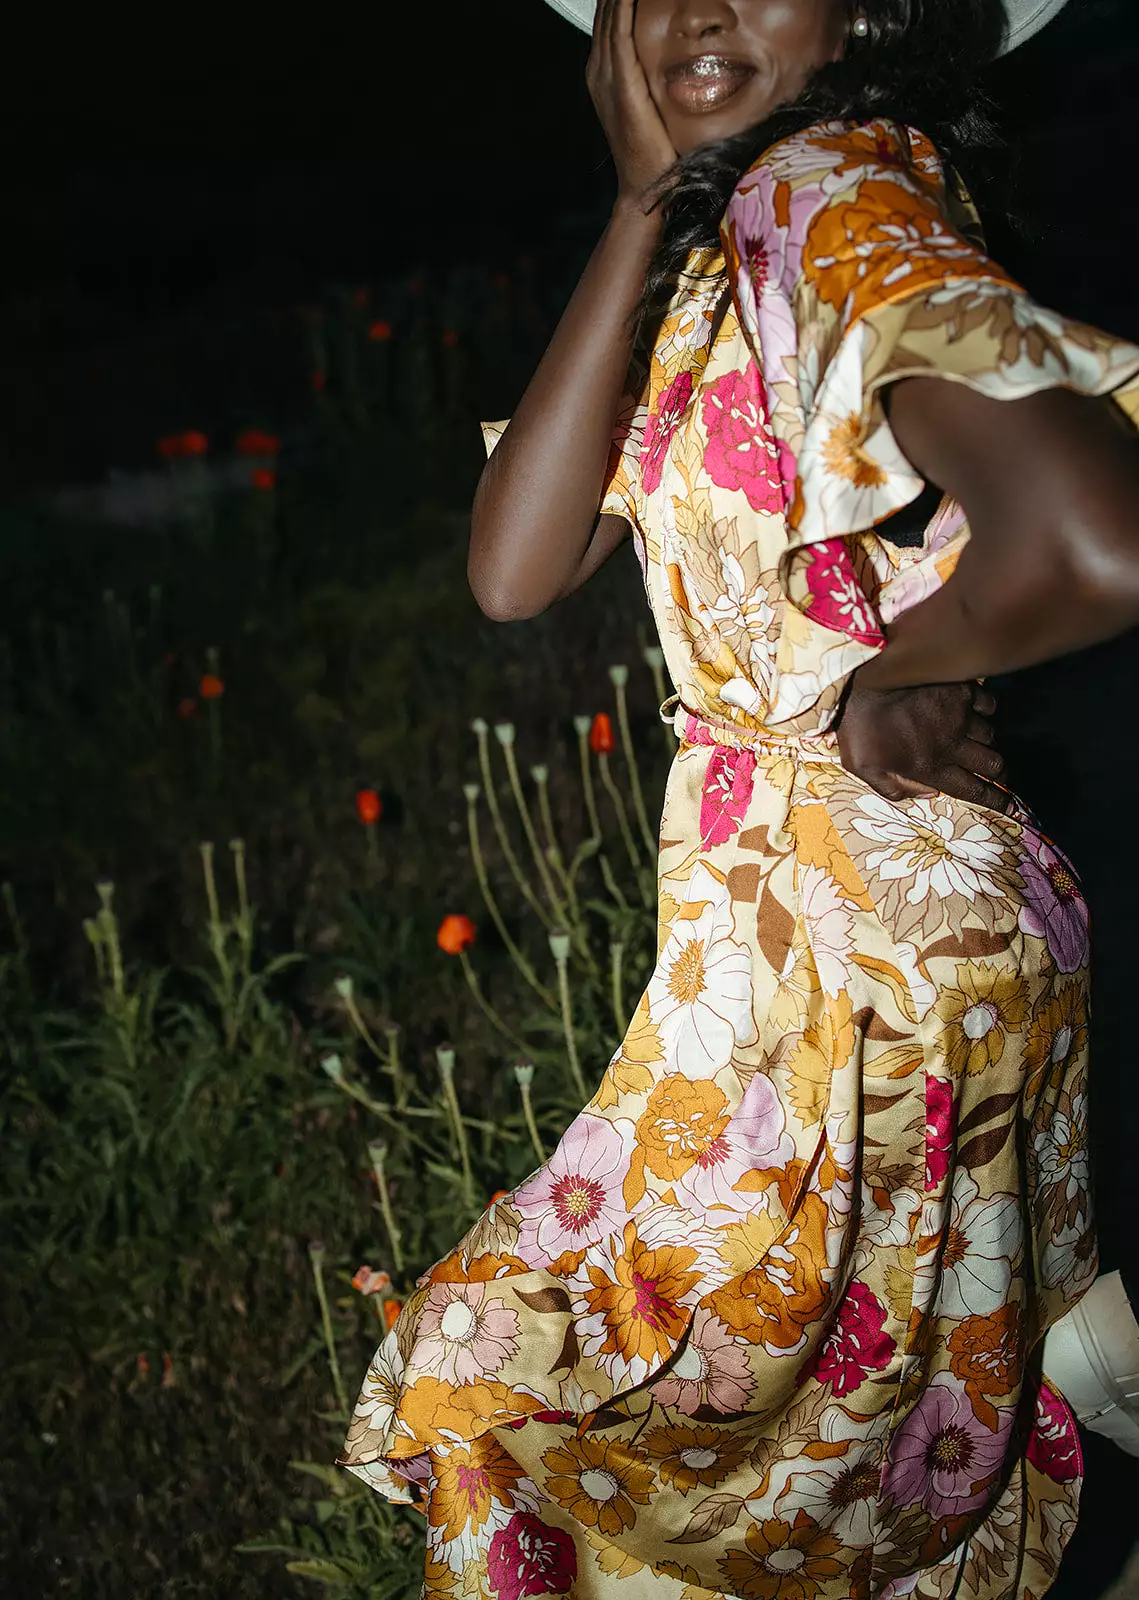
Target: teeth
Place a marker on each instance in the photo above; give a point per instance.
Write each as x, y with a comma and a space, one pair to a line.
706, 66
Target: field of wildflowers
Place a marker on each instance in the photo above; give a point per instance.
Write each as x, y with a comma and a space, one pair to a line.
306, 950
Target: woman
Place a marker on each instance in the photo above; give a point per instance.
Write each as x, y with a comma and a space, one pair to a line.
768, 1323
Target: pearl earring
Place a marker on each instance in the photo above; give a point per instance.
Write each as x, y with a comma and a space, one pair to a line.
860, 27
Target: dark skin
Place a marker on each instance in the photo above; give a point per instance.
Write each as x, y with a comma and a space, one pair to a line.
1050, 483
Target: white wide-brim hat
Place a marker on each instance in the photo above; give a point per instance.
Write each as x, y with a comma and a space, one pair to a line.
1025, 17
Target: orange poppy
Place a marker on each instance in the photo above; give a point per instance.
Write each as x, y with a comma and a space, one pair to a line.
380, 332
183, 446
369, 807
601, 734
391, 1309
211, 686
455, 934
253, 442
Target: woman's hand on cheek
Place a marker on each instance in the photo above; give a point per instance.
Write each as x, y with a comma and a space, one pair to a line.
642, 149
933, 739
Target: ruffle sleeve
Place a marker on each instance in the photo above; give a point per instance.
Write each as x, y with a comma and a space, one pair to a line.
620, 494
854, 261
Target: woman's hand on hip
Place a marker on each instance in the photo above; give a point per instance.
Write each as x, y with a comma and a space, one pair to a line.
933, 739
642, 149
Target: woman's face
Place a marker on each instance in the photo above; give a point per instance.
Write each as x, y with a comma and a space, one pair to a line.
716, 67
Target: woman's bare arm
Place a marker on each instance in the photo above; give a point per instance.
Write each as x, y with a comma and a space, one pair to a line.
535, 529
1050, 485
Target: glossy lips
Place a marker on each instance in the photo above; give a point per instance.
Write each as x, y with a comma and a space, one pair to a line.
704, 83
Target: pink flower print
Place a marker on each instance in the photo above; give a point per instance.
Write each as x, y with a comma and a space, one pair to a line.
576, 1197
464, 1334
728, 783
1054, 908
742, 452
857, 1344
1054, 1444
942, 1456
837, 599
753, 1140
528, 1557
711, 1370
671, 405
939, 1118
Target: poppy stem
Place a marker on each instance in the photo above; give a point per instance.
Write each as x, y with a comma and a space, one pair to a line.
524, 1076
654, 659
485, 1006
399, 1087
562, 964
544, 874
377, 1155
445, 1056
516, 955
616, 984
582, 724
499, 823
622, 815
619, 677
316, 1261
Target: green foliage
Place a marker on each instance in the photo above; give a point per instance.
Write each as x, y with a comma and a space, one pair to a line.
208, 1110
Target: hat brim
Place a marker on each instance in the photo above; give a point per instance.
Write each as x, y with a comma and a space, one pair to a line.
1025, 17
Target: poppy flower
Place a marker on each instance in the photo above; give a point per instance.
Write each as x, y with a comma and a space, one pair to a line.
188, 707
211, 686
253, 442
183, 446
601, 734
392, 1309
368, 1281
263, 478
450, 339
455, 934
499, 1194
369, 807
380, 332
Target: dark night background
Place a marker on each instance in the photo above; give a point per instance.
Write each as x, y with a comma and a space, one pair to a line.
174, 190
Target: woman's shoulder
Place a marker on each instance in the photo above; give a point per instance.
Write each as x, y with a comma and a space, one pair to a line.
833, 157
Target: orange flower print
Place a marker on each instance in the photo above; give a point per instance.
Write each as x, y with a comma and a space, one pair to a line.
775, 1302
473, 1495
695, 1457
681, 1122
598, 1482
455, 934
985, 1353
890, 241
782, 1561
631, 1302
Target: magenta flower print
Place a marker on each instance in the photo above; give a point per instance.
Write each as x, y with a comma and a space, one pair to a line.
576, 1197
1054, 908
742, 452
464, 1334
939, 1119
671, 405
837, 599
1054, 1444
528, 1557
942, 1456
727, 791
711, 1370
857, 1345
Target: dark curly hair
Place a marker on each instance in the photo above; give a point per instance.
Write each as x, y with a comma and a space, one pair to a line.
921, 63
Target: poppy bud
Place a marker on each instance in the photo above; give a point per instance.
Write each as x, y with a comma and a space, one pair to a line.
601, 734
455, 934
369, 807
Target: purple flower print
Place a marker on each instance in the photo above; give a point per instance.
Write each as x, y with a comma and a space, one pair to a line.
528, 1557
671, 405
942, 1456
1054, 908
576, 1197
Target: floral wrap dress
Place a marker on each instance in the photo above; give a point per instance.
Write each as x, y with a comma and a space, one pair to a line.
767, 1324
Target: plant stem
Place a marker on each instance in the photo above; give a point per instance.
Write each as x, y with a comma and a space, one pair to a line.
544, 874
377, 1154
316, 1260
616, 987
485, 1006
582, 725
524, 1074
501, 834
619, 807
619, 677
446, 1059
398, 1085
567, 1026
516, 955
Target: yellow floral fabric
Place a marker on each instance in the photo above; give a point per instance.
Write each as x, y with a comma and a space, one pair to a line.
767, 1322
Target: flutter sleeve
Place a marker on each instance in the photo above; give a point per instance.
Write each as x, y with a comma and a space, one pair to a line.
855, 261
620, 494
